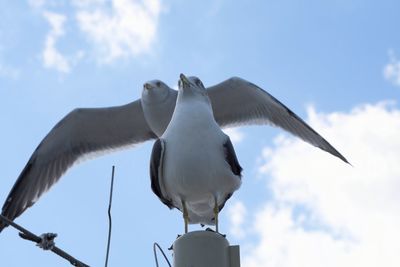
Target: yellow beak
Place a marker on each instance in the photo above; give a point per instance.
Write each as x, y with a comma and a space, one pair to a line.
148, 86
185, 81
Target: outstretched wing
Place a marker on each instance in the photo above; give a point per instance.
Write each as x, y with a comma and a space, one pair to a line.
238, 102
83, 131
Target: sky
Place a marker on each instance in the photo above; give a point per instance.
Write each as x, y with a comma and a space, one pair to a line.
335, 63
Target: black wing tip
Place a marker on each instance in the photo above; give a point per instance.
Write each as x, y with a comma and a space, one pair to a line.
4, 212
230, 157
155, 163
13, 206
340, 156
10, 212
331, 150
2, 226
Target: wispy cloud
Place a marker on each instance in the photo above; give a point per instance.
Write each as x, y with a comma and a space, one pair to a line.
52, 58
115, 29
325, 212
237, 213
126, 28
391, 71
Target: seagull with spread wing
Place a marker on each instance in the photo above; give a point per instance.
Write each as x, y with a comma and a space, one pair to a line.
84, 131
193, 165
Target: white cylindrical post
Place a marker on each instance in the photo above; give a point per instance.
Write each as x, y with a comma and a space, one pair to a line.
205, 249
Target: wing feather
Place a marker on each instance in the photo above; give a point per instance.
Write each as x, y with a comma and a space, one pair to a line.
238, 102
82, 131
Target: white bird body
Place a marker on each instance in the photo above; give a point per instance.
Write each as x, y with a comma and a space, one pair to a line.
194, 169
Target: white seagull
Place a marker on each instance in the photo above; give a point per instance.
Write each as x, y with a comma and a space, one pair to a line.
86, 131
193, 165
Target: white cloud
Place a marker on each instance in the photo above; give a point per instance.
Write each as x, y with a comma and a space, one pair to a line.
237, 213
324, 212
127, 28
52, 58
235, 135
116, 29
391, 71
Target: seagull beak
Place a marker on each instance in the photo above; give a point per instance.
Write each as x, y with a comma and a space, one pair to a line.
148, 86
185, 81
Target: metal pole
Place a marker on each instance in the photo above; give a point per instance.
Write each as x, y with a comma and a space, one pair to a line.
205, 249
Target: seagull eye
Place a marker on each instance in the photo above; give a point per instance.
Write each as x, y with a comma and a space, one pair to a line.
158, 84
198, 82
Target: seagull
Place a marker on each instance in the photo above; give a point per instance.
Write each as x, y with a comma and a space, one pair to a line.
193, 165
88, 131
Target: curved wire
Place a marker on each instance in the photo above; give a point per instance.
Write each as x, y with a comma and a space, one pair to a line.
109, 216
155, 245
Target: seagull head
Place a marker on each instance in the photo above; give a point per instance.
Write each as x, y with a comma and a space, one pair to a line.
192, 81
191, 86
155, 91
192, 91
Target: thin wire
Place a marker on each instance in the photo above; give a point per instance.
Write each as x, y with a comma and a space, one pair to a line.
25, 234
109, 216
155, 245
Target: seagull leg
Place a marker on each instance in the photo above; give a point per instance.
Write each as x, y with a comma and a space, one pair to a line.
216, 211
185, 216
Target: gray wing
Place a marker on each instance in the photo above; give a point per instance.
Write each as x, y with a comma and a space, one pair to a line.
82, 131
238, 102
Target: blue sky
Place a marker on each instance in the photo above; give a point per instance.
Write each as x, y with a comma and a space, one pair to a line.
335, 63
